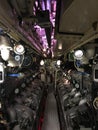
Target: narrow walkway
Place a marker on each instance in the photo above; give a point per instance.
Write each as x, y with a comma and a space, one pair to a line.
51, 119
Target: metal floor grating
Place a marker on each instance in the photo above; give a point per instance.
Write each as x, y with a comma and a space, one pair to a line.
51, 119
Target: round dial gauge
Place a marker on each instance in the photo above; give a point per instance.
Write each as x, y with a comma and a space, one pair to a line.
19, 49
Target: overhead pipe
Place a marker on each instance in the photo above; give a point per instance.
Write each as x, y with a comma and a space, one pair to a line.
29, 38
39, 5
30, 4
45, 3
27, 4
13, 3
49, 5
48, 35
16, 32
90, 35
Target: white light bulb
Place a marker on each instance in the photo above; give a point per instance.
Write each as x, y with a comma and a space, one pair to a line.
78, 54
58, 62
60, 46
42, 62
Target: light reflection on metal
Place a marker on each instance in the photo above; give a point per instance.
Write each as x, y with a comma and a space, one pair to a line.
44, 55
43, 5
66, 81
41, 33
48, 5
44, 50
36, 3
54, 42
29, 38
34, 11
52, 55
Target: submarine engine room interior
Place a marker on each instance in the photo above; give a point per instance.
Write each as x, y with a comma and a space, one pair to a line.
48, 65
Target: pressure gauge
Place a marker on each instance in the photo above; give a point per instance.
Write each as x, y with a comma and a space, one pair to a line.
17, 58
19, 49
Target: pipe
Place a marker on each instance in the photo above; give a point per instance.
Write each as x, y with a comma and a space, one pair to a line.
29, 38
15, 5
30, 4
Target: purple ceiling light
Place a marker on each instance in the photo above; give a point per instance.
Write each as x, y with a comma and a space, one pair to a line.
36, 3
41, 32
43, 5
53, 15
51, 6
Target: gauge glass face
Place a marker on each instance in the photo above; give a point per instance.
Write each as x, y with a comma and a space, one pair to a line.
19, 49
17, 58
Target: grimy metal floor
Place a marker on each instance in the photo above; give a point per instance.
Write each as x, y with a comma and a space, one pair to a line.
51, 119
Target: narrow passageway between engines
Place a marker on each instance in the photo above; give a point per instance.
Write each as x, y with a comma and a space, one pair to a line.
51, 119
